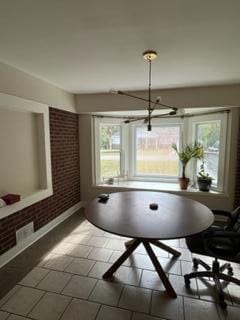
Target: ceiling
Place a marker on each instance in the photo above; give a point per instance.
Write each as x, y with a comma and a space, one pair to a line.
95, 46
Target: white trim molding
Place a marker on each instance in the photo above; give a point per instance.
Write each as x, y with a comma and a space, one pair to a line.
45, 173
12, 253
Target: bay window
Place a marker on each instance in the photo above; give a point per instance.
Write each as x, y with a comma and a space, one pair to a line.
130, 152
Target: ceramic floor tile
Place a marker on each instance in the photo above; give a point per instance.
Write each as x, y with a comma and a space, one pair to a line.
151, 280
116, 244
79, 307
180, 288
34, 277
234, 291
183, 243
142, 316
23, 301
185, 254
98, 242
3, 315
128, 275
80, 266
55, 281
136, 260
231, 313
207, 290
164, 306
100, 254
50, 307
15, 317
171, 265
110, 313
9, 295
99, 269
135, 299
58, 262
79, 287
116, 254
106, 292
200, 310
78, 238
79, 251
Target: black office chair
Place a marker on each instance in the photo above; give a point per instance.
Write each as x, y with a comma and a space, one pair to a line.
218, 242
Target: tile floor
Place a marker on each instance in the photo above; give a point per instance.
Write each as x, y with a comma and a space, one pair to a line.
60, 277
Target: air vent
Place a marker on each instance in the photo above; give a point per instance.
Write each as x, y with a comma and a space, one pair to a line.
24, 232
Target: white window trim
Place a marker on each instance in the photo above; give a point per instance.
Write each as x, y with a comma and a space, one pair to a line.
222, 147
187, 135
155, 122
97, 123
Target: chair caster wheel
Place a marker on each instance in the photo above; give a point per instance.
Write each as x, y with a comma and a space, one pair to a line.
230, 271
223, 304
187, 282
195, 264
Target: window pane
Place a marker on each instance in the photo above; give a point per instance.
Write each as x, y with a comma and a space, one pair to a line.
110, 150
154, 154
209, 135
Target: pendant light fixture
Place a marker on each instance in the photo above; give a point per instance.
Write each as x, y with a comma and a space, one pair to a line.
149, 56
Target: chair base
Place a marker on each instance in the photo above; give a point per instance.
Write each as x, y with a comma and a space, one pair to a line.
216, 273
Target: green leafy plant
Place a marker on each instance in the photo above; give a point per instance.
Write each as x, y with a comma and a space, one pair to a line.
190, 151
202, 175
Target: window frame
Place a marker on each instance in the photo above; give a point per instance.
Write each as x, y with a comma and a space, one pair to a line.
155, 123
97, 126
187, 134
222, 117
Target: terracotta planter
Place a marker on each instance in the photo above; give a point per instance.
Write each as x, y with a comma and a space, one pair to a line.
184, 182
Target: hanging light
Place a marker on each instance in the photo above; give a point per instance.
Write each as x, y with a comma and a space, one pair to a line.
149, 55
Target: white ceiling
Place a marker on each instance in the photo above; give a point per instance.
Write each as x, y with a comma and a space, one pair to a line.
94, 46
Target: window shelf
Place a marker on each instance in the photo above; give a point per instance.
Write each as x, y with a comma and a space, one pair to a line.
25, 202
156, 186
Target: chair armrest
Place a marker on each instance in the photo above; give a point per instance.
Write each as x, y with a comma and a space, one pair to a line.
222, 234
222, 213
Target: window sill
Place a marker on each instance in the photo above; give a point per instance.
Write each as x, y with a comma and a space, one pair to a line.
25, 202
156, 186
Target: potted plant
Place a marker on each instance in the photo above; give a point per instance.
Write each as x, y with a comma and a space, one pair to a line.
204, 179
190, 151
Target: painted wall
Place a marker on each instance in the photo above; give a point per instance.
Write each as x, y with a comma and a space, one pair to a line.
90, 191
19, 169
65, 174
210, 96
18, 83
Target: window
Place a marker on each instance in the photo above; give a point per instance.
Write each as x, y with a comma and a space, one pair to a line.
110, 150
154, 155
208, 133
131, 152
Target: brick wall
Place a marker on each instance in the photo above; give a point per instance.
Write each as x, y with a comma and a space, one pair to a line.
66, 180
237, 176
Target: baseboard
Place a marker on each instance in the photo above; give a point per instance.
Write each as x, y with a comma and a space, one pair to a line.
12, 253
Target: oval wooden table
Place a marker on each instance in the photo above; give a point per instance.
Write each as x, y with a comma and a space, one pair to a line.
128, 214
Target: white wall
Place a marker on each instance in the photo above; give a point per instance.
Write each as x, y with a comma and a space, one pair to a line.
18, 83
19, 167
89, 191
211, 96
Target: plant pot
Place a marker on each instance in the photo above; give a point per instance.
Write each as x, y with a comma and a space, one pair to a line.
204, 185
184, 182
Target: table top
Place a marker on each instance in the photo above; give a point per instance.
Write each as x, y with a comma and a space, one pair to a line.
128, 214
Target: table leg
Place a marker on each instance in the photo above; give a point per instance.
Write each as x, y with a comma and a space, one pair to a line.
129, 243
165, 247
159, 270
121, 259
